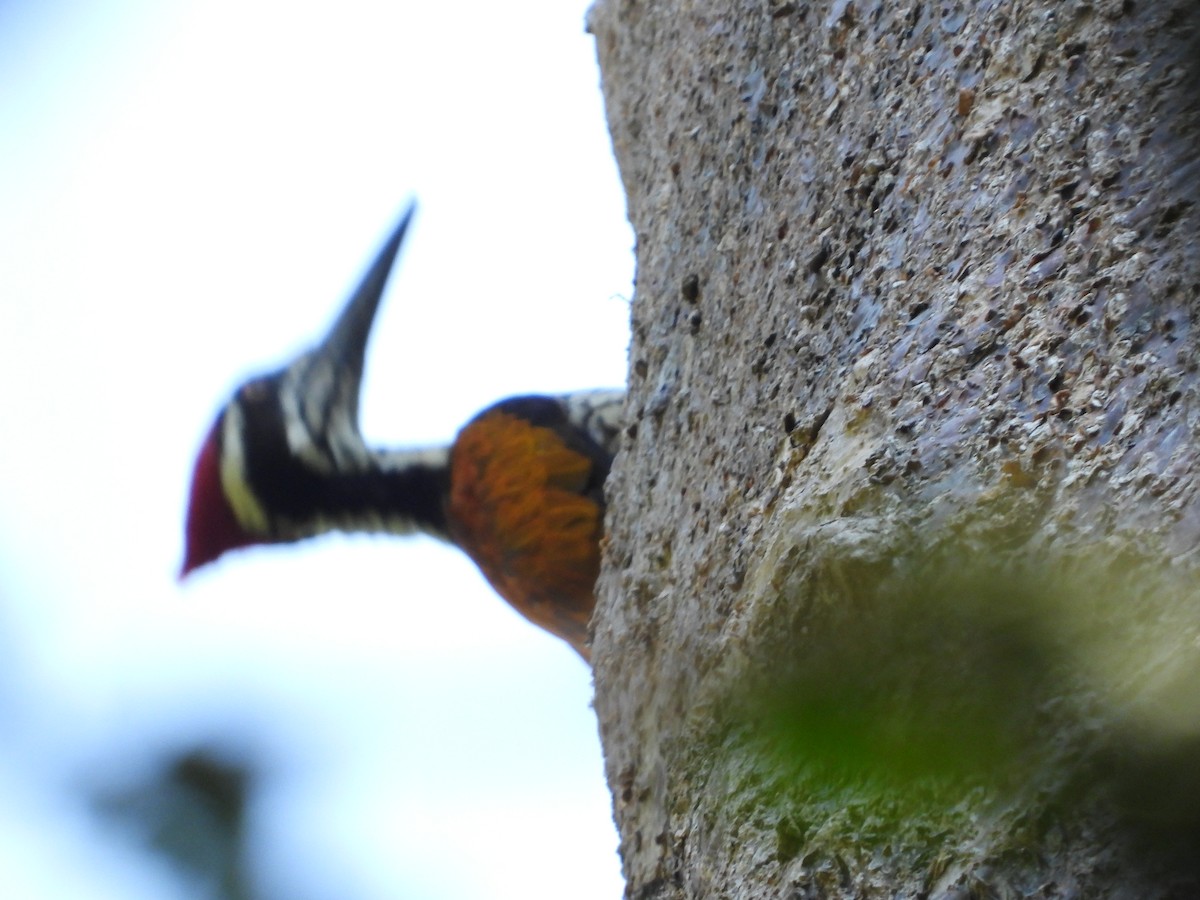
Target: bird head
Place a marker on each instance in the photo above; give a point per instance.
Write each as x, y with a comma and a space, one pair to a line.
261, 469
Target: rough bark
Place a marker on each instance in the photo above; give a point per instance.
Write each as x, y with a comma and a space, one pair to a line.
897, 595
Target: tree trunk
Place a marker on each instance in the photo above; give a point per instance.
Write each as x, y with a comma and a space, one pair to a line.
897, 596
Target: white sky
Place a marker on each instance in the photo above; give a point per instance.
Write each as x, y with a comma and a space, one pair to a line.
188, 192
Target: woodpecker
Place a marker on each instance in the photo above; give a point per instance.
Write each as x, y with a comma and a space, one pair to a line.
520, 489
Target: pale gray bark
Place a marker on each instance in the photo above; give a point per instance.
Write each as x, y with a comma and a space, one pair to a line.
897, 599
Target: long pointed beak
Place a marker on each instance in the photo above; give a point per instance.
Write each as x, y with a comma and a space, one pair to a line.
326, 380
346, 343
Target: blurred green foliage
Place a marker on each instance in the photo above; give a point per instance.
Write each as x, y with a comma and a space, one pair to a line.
944, 695
191, 812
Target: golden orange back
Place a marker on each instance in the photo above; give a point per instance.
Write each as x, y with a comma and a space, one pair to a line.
517, 508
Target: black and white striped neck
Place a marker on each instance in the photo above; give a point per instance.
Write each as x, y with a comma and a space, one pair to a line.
287, 480
398, 492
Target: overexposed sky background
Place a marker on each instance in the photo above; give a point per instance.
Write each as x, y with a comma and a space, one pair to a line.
188, 192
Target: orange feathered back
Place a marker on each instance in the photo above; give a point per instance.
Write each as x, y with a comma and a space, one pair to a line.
518, 508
